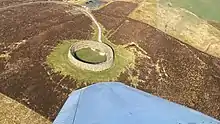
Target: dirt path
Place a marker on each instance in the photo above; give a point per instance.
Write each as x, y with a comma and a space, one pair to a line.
86, 11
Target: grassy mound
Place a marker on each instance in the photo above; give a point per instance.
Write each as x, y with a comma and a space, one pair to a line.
58, 60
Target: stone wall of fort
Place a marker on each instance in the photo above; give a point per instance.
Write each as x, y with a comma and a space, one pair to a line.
102, 47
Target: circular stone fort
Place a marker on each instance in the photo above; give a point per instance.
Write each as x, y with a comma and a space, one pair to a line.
91, 55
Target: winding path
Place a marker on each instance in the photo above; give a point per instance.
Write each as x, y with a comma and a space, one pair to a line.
86, 11
83, 9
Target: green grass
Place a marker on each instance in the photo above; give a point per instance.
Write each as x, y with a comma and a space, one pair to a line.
206, 9
90, 56
58, 60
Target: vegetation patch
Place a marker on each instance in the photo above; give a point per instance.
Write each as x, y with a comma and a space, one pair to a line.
181, 24
90, 56
206, 9
58, 60
13, 112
